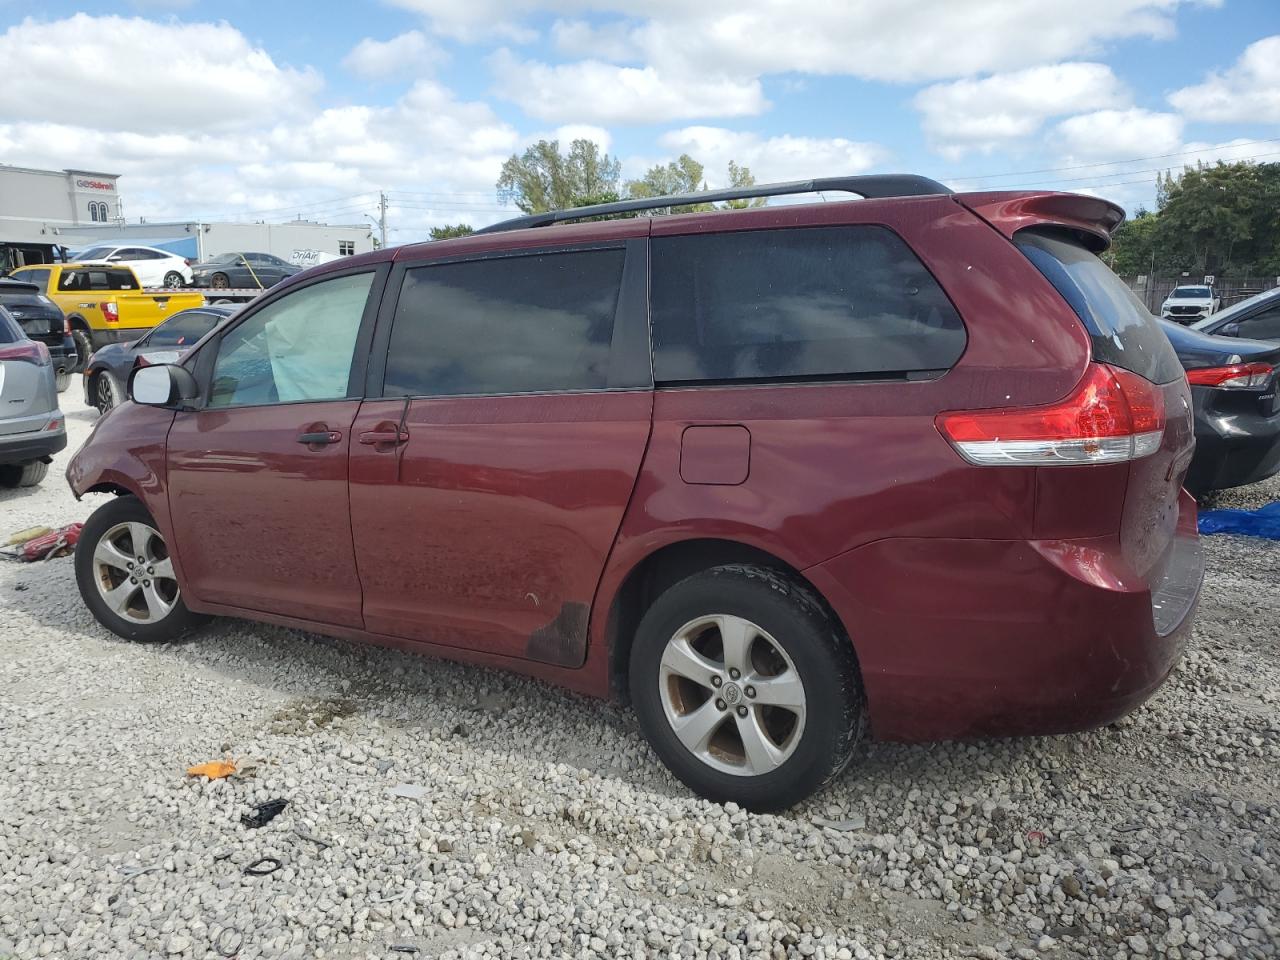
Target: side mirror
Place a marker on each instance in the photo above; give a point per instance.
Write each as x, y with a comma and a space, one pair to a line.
1231, 329
162, 385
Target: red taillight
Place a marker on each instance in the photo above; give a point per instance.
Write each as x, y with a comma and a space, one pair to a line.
187, 261
30, 351
110, 312
66, 326
1112, 415
1237, 376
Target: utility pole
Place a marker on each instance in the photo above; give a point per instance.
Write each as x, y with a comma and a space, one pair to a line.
382, 216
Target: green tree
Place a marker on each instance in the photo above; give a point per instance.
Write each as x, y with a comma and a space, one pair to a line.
742, 177
1222, 218
450, 231
685, 175
1133, 245
543, 178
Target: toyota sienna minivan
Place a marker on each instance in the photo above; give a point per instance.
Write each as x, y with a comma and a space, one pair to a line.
908, 467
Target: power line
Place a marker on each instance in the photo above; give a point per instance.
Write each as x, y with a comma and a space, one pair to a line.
1111, 163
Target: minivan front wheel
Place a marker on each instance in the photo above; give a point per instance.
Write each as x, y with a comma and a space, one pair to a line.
746, 688
126, 577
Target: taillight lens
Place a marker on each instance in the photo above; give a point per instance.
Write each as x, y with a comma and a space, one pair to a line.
66, 326
29, 351
1237, 376
1111, 416
110, 311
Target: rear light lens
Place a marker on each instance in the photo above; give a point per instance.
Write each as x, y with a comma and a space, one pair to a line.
1237, 376
66, 326
29, 351
110, 311
187, 261
1111, 416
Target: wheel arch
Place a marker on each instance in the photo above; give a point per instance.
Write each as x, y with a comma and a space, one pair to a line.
668, 564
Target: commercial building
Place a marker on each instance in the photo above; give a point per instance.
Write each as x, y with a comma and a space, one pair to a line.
37, 207
47, 215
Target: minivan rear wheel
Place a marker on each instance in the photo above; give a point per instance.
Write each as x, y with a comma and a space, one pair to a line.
746, 688
126, 577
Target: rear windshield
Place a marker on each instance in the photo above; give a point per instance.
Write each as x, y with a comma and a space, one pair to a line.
183, 330
10, 332
1122, 330
97, 278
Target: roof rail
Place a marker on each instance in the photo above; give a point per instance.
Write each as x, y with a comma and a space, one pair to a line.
872, 187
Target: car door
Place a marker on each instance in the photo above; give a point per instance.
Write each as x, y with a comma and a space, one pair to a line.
143, 263
489, 481
257, 477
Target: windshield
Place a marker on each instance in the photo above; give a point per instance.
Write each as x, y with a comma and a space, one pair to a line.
95, 253
1189, 293
1224, 316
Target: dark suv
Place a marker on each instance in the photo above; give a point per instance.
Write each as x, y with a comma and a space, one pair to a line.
44, 322
908, 466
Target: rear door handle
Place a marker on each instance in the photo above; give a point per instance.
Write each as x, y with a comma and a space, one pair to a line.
322, 436
384, 436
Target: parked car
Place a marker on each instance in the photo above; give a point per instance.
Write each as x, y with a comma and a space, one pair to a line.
153, 266
784, 476
1188, 304
108, 369
241, 270
1236, 405
1257, 318
43, 320
32, 428
103, 303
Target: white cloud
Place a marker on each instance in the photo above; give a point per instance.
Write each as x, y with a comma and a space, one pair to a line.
578, 131
611, 41
113, 73
771, 158
897, 40
1247, 92
591, 91
985, 114
410, 52
1119, 134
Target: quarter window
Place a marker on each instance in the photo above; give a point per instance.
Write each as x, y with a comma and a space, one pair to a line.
521, 324
297, 348
821, 302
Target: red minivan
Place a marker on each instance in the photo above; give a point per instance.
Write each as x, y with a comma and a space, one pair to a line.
908, 466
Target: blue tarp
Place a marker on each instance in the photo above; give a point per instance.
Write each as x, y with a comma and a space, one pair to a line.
1263, 522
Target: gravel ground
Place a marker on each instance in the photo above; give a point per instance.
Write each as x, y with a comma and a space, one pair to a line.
544, 826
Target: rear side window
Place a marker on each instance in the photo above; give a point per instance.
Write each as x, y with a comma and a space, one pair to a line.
96, 279
1123, 332
821, 302
182, 329
523, 324
10, 332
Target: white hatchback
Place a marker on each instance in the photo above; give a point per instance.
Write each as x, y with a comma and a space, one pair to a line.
154, 267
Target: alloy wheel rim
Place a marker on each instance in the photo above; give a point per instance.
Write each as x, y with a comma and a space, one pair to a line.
134, 573
106, 397
732, 695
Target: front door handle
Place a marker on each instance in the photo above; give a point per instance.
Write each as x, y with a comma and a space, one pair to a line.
321, 436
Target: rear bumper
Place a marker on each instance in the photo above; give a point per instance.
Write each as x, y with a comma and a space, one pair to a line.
965, 638
1233, 451
64, 354
23, 447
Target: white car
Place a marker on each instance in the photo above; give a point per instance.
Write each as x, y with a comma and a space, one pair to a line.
155, 268
1190, 303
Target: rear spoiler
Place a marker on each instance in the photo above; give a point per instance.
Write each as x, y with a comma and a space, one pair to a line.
18, 286
1092, 219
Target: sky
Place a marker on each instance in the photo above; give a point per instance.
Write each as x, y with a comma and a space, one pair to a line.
260, 110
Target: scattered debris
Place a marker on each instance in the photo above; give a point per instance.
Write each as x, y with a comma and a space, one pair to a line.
1263, 522
264, 813
460, 730
404, 948
22, 536
855, 822
411, 791
263, 867
322, 844
44, 545
213, 770
228, 942
129, 871
384, 765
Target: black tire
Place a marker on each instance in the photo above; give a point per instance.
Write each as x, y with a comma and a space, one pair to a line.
178, 622
219, 281
103, 391
23, 474
62, 379
84, 348
174, 279
823, 657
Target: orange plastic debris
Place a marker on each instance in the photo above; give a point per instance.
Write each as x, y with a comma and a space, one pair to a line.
214, 769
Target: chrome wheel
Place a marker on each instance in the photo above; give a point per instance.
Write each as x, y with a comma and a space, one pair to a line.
134, 574
732, 695
174, 279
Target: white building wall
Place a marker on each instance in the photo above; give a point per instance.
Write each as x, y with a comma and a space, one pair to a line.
304, 242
